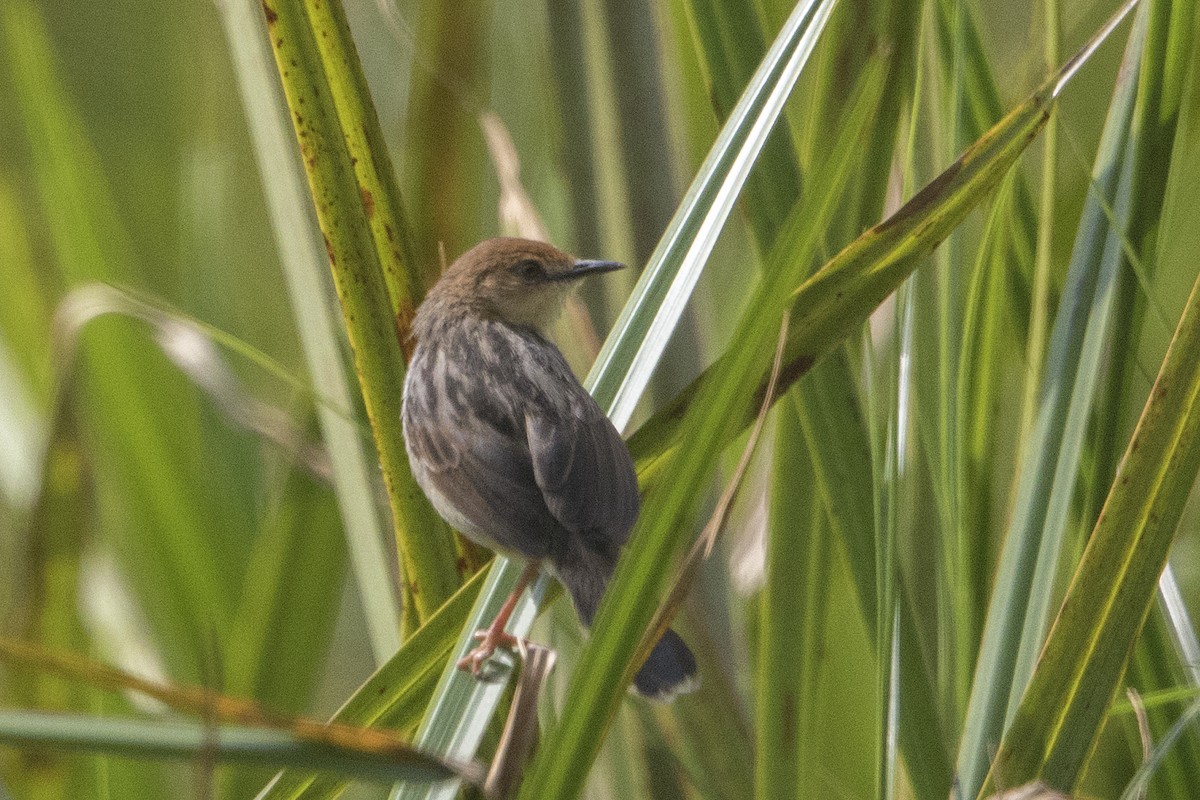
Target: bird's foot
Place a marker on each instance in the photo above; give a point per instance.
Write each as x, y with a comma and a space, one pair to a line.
489, 641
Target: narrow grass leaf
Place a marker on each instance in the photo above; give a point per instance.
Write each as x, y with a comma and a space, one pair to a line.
395, 696
1015, 625
625, 364
427, 554
165, 499
789, 622
1059, 719
235, 744
730, 39
980, 108
840, 296
368, 152
307, 280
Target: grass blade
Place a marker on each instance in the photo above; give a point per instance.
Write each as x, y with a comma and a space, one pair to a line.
197, 741
625, 364
306, 278
1021, 603
789, 622
1058, 721
427, 555
840, 296
395, 696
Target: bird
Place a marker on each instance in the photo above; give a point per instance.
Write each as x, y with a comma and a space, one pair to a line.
508, 446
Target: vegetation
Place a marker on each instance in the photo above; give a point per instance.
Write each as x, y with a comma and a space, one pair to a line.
943, 310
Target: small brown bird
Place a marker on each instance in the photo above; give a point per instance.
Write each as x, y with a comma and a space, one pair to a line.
511, 449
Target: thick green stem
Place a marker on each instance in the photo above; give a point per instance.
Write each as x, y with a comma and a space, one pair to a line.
426, 553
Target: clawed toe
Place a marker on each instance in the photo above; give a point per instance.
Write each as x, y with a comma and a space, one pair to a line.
489, 640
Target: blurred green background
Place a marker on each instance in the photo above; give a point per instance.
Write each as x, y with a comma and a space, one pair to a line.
164, 501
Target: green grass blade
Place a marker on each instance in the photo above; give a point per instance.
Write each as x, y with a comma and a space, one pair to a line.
980, 108
1021, 602
395, 696
1039, 300
730, 39
980, 394
625, 364
569, 53
25, 319
427, 555
786, 740
165, 501
642, 117
449, 87
198, 741
306, 278
1156, 115
54, 540
842, 294
369, 156
1057, 723
286, 614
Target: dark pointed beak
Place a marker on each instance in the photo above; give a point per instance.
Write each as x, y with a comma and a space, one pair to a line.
582, 269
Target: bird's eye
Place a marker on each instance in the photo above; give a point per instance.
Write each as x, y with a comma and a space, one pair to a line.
530, 269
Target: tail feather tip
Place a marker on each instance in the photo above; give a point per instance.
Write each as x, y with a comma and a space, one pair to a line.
669, 671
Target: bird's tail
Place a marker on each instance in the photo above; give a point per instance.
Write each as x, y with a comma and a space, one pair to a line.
670, 669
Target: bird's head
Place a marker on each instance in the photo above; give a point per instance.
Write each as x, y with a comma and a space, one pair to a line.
520, 281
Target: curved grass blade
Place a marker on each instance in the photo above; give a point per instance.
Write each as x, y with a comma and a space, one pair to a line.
840, 296
1057, 724
257, 746
1140, 782
625, 364
1017, 617
395, 696
165, 497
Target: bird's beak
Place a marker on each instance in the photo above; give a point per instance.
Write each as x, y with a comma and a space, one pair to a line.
582, 269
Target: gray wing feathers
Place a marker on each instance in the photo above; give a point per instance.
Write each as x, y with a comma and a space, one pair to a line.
492, 485
585, 473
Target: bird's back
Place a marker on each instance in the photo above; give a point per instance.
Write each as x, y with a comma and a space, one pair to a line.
509, 447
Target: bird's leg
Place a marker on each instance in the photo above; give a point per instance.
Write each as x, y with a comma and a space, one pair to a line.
494, 635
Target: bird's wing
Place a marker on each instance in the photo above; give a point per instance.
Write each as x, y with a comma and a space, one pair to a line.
486, 480
584, 471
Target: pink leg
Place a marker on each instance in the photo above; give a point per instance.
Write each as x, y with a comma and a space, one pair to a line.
495, 636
